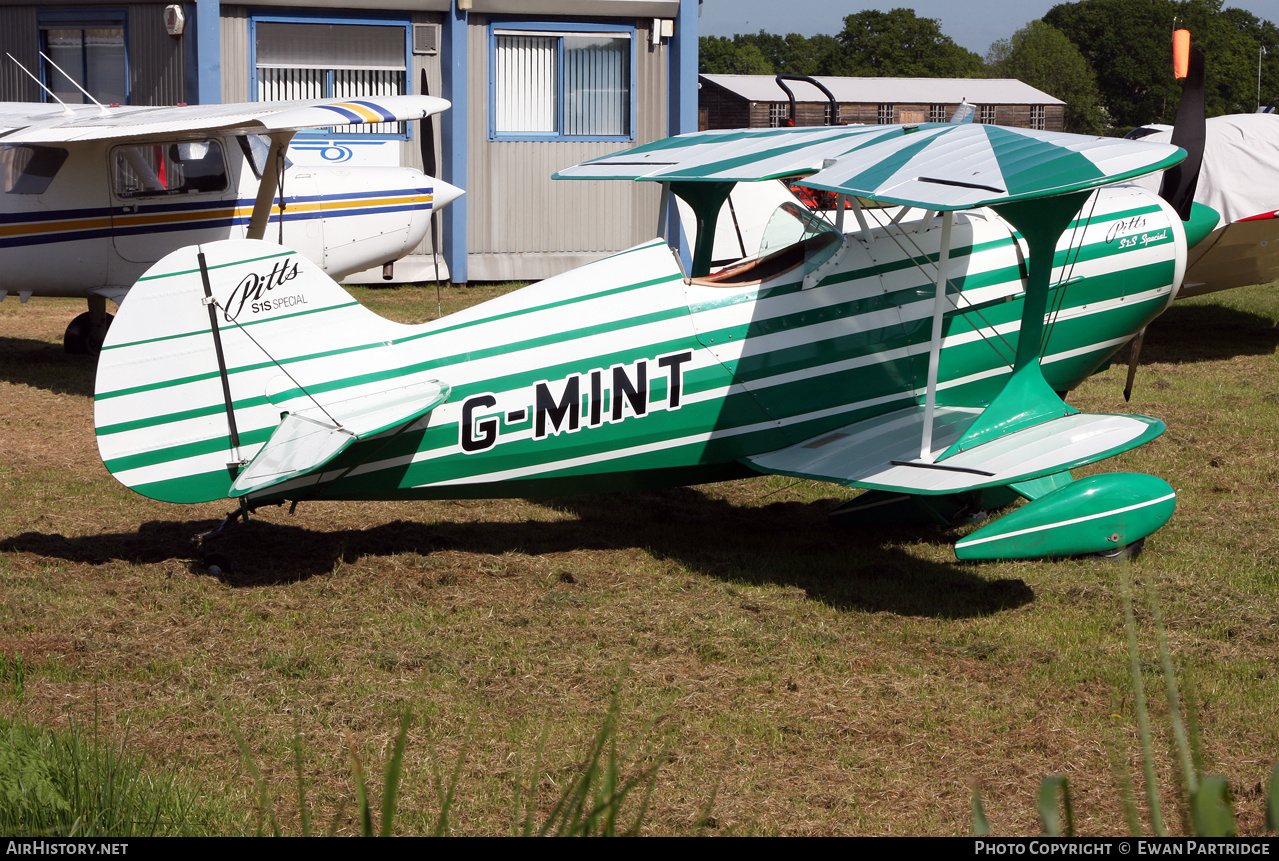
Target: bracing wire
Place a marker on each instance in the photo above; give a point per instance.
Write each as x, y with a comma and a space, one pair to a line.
952, 291
279, 187
275, 362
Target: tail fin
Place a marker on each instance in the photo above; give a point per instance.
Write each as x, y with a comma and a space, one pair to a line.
215, 344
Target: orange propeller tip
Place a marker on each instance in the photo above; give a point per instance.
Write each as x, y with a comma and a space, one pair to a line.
1180, 53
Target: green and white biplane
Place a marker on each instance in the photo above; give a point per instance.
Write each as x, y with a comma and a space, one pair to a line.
917, 347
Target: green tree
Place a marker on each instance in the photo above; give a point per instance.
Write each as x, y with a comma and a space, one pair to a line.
826, 54
1040, 55
898, 43
1127, 44
1232, 40
791, 54
719, 55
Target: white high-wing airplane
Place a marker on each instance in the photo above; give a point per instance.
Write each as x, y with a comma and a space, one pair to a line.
93, 196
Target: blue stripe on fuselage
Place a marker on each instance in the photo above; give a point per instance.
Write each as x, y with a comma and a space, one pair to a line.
98, 231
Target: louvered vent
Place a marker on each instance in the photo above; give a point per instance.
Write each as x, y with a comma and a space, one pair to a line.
426, 38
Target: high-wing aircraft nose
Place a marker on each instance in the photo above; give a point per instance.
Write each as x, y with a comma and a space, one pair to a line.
444, 193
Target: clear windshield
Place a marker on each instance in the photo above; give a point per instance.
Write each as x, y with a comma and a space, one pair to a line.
789, 224
257, 148
793, 240
793, 224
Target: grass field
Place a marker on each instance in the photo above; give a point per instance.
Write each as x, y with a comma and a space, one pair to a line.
792, 678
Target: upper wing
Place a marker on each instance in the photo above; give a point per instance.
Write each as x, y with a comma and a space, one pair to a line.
48, 124
939, 166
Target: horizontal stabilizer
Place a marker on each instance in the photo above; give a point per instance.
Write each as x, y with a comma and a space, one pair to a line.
298, 446
884, 452
309, 439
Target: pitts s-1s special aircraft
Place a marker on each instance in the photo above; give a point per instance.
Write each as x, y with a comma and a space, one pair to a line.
918, 353
93, 196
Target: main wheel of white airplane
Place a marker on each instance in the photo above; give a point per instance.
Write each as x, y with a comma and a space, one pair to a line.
82, 338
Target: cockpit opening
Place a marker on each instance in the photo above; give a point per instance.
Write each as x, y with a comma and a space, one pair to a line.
793, 237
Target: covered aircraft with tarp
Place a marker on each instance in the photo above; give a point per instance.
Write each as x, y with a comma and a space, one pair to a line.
1240, 180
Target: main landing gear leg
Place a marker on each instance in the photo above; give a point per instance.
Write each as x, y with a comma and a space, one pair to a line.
85, 334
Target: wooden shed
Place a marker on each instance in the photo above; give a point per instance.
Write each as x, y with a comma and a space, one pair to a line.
757, 101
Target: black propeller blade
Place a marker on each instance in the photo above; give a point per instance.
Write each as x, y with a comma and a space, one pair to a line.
1179, 183
426, 139
1178, 187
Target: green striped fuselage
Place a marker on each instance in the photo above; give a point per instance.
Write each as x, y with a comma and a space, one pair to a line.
623, 374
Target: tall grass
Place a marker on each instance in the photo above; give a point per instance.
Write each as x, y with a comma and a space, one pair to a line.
1205, 799
593, 803
75, 784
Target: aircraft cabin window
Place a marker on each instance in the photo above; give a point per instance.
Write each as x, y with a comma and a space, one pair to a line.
257, 148
180, 167
561, 85
26, 169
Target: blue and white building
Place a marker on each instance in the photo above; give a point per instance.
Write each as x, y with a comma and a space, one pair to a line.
536, 85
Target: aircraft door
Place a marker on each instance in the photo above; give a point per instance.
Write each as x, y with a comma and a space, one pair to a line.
168, 194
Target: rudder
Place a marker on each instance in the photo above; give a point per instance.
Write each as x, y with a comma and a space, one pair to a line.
207, 350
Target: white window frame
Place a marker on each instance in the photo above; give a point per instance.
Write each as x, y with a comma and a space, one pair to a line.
507, 27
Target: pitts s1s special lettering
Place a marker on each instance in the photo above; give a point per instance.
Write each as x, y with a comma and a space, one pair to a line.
251, 288
583, 400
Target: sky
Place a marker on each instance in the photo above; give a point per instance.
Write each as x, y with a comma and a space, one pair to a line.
973, 24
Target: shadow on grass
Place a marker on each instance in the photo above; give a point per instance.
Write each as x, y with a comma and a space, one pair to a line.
787, 544
1203, 331
31, 362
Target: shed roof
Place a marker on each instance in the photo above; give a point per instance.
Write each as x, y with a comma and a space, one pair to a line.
946, 91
